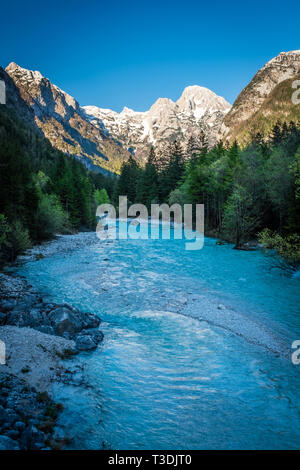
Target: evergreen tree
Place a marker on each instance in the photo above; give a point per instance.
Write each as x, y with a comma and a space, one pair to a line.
147, 187
128, 180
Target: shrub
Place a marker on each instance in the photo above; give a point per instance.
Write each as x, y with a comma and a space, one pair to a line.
287, 247
17, 240
101, 197
50, 217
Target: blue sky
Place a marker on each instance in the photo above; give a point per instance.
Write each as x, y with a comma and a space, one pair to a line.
129, 53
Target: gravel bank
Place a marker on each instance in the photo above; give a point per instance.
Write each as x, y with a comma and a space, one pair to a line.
36, 337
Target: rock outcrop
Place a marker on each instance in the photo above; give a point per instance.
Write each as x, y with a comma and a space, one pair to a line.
198, 109
21, 306
265, 99
62, 121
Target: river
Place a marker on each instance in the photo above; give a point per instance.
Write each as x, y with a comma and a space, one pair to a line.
197, 348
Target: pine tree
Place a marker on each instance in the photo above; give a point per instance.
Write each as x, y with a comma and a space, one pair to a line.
128, 180
147, 187
276, 134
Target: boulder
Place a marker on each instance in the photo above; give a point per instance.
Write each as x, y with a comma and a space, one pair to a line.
65, 322
96, 334
19, 425
49, 330
12, 433
90, 320
6, 443
32, 438
85, 343
7, 304
3, 415
87, 340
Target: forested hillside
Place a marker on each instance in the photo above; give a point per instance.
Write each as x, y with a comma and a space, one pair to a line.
248, 193
42, 191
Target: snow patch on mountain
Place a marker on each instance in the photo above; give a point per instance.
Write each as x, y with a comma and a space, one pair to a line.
197, 109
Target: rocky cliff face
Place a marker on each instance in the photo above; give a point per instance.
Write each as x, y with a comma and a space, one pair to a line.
103, 138
257, 101
62, 121
14, 101
197, 109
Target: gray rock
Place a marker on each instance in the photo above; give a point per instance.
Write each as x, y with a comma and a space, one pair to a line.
35, 317
19, 425
4, 418
59, 433
49, 330
17, 318
7, 305
90, 320
12, 417
6, 443
38, 445
12, 433
32, 438
6, 425
97, 335
64, 320
7, 416
221, 307
85, 343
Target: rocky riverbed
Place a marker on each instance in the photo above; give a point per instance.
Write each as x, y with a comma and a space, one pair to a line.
36, 339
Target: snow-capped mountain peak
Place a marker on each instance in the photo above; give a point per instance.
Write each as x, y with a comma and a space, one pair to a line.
197, 109
61, 120
28, 75
198, 100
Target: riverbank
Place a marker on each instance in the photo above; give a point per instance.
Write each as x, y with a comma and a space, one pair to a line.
194, 305
184, 331
37, 339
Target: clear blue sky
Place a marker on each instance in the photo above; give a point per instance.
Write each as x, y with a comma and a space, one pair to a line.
128, 53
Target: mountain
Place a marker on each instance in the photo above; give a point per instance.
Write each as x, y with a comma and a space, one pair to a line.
266, 99
14, 101
197, 109
62, 121
103, 139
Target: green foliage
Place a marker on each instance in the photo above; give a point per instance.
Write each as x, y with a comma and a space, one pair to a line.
240, 221
127, 182
177, 196
18, 240
101, 197
50, 217
243, 190
295, 172
42, 191
147, 184
4, 230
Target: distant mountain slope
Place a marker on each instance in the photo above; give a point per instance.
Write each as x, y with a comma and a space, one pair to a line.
264, 100
197, 109
14, 100
61, 120
278, 106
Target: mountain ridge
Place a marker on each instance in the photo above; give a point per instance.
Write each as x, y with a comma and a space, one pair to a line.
198, 108
103, 139
283, 67
59, 117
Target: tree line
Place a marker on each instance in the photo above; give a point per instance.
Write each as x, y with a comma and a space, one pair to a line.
249, 193
42, 191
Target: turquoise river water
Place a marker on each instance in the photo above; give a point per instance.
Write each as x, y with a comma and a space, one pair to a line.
197, 348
